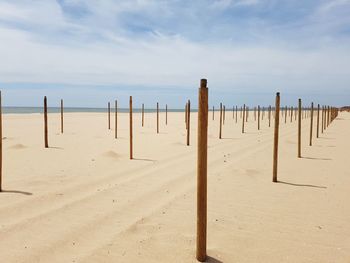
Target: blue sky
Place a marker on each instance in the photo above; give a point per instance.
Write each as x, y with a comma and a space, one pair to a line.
91, 51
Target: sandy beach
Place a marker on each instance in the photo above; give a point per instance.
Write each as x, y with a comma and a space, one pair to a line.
83, 200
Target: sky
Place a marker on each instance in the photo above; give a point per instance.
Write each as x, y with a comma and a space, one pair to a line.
89, 52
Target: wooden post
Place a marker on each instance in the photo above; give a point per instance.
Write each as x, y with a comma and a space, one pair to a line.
328, 115
220, 131
291, 114
62, 116
285, 114
130, 127
311, 121
0, 142
116, 120
157, 117
299, 129
45, 124
213, 112
143, 114
258, 117
270, 116
109, 115
186, 115
318, 121
201, 252
276, 134
236, 114
166, 114
188, 121
243, 118
241, 111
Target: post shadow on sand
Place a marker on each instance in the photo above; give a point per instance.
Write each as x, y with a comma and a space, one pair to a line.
314, 158
16, 192
144, 159
302, 185
212, 260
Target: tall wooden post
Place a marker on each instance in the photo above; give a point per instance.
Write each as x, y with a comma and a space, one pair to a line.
291, 114
62, 116
188, 121
201, 251
186, 115
318, 121
130, 128
0, 142
220, 129
116, 120
213, 112
299, 129
276, 134
236, 114
285, 114
109, 115
258, 117
46, 124
270, 116
157, 117
243, 118
311, 121
166, 114
143, 114
328, 116
322, 119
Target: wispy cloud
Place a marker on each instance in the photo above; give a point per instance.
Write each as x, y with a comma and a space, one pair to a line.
253, 45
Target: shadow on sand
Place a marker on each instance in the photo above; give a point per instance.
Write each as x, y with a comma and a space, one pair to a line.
212, 260
144, 159
16, 192
303, 185
313, 158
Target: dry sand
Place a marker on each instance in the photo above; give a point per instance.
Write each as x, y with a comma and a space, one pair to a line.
83, 200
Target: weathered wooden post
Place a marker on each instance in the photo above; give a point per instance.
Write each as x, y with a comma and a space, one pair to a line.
116, 120
270, 116
201, 252
220, 129
236, 114
62, 116
188, 121
285, 114
258, 117
0, 142
186, 115
275, 142
243, 118
109, 115
311, 122
318, 121
130, 128
166, 114
291, 114
328, 116
46, 124
157, 117
143, 114
299, 129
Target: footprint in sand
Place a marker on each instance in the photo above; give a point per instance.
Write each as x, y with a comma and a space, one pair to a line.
18, 146
111, 154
